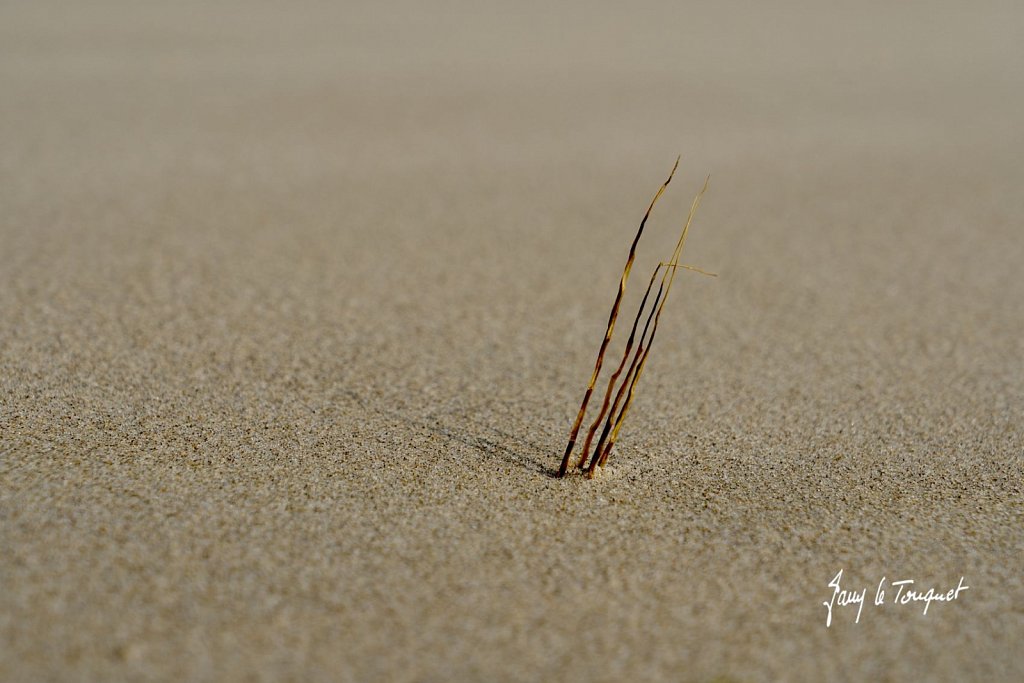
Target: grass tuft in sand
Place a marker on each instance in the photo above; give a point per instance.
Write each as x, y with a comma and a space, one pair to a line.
613, 412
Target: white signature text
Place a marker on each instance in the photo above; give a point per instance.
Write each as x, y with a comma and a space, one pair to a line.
903, 592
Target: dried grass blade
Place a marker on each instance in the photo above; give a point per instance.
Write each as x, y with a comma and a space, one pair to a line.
618, 371
611, 325
602, 458
626, 382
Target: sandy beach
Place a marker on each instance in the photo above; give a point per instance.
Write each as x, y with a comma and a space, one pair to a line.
298, 303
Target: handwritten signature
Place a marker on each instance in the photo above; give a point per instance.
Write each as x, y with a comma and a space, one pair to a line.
906, 592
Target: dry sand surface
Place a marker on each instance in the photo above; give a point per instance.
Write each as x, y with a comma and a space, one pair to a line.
298, 301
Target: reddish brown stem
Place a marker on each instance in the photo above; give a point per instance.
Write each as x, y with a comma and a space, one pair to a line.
600, 460
625, 383
618, 371
611, 326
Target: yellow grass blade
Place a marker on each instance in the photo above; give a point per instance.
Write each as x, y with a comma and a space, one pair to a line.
698, 270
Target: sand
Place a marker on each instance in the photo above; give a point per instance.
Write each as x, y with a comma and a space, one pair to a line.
298, 301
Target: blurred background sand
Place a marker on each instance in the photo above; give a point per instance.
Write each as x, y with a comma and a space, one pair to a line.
298, 300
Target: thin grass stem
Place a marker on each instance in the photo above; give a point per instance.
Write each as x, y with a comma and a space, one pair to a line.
611, 325
618, 371
602, 458
598, 450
